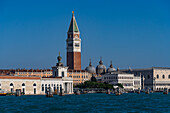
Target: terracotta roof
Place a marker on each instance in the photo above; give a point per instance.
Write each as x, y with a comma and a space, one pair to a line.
32, 70
18, 77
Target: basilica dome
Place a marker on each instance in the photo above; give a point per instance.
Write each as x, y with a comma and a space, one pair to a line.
101, 69
90, 68
111, 68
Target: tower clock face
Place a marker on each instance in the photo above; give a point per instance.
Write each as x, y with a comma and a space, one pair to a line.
76, 36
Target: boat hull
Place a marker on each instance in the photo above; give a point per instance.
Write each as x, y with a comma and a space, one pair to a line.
3, 94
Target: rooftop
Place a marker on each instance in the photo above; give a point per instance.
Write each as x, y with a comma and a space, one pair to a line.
18, 77
145, 69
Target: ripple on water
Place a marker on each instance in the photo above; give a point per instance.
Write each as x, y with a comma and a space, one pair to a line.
156, 102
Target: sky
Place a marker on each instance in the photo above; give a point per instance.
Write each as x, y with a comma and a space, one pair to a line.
131, 33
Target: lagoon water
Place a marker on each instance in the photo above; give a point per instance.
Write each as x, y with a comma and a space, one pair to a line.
155, 102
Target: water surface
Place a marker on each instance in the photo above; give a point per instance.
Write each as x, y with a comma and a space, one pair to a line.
155, 102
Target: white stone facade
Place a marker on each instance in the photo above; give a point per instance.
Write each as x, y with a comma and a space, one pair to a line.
155, 78
27, 85
59, 71
39, 85
128, 81
58, 84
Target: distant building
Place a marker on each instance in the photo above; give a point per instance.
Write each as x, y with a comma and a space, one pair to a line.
34, 72
128, 81
155, 78
74, 54
111, 68
79, 76
73, 45
59, 80
90, 68
27, 85
101, 68
38, 85
7, 72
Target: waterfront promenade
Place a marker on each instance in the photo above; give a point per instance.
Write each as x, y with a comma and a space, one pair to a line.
130, 102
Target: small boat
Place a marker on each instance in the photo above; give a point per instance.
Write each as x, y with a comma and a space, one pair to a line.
18, 92
165, 91
3, 93
108, 92
118, 93
49, 93
61, 92
138, 91
147, 91
78, 92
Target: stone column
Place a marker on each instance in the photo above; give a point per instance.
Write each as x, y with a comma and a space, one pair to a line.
67, 87
70, 87
154, 84
143, 82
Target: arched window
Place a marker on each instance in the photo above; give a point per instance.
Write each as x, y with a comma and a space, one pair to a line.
169, 76
163, 76
157, 76
23, 84
35, 90
11, 84
42, 87
148, 76
34, 84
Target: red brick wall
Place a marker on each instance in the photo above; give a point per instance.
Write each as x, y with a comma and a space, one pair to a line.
77, 60
74, 60
70, 60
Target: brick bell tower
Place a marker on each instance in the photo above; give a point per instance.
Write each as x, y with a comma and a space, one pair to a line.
73, 45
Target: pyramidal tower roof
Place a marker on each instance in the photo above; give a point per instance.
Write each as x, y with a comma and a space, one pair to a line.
73, 24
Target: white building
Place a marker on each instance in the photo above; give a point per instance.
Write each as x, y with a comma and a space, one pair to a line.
155, 78
128, 81
59, 80
27, 85
38, 85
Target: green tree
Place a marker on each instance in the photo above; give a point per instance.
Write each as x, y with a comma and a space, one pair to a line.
120, 85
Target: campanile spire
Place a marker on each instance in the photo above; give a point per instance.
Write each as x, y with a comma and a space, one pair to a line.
73, 28
73, 45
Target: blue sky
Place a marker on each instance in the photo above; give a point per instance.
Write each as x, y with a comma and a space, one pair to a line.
133, 33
